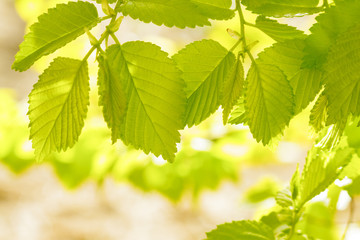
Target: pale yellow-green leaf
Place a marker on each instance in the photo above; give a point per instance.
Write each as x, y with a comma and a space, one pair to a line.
58, 106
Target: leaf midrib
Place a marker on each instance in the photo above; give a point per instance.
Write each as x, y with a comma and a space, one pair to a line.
142, 104
62, 107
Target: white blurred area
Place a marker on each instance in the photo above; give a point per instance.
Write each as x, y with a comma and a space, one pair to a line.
35, 206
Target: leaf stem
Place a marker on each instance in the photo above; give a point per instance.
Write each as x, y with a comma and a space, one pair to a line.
105, 18
293, 223
236, 44
89, 53
242, 31
115, 38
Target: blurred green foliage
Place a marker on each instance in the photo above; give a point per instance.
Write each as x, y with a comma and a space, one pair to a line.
94, 158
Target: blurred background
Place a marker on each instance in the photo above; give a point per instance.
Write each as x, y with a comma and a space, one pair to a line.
102, 191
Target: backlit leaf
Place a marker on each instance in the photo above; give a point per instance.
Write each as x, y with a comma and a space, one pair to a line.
282, 8
336, 20
269, 101
342, 79
58, 106
318, 113
277, 31
241, 230
54, 30
234, 86
320, 170
288, 56
205, 65
112, 95
179, 13
215, 9
238, 115
154, 96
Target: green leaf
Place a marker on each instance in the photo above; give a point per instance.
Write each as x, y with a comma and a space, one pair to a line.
268, 101
215, 9
319, 113
318, 222
288, 56
54, 30
352, 169
233, 89
342, 79
282, 8
294, 183
306, 84
320, 170
154, 96
283, 198
58, 106
204, 170
179, 13
241, 230
238, 115
354, 188
277, 31
112, 95
204, 73
265, 188
335, 21
352, 131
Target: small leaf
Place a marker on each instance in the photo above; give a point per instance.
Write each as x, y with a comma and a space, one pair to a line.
58, 106
318, 113
268, 101
233, 89
277, 31
238, 115
54, 30
178, 13
283, 198
283, 8
112, 95
154, 96
204, 73
215, 9
294, 183
241, 230
320, 170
